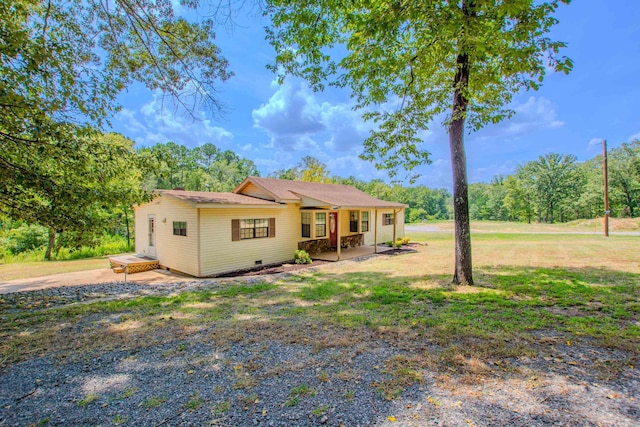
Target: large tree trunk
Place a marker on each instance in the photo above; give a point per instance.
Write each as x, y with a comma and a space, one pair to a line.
463, 269
50, 244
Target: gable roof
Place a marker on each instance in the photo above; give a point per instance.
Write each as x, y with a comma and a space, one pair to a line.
205, 197
338, 195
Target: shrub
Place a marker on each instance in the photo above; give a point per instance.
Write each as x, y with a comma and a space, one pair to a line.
399, 242
26, 238
302, 257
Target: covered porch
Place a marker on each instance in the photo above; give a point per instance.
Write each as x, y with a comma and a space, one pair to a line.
350, 253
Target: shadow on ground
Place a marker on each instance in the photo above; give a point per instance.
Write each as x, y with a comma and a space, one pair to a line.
527, 347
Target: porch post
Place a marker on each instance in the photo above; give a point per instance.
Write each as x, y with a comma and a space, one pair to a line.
375, 232
394, 229
338, 233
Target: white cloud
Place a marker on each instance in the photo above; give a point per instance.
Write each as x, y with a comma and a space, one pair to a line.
634, 136
437, 174
531, 116
352, 165
128, 118
295, 120
156, 122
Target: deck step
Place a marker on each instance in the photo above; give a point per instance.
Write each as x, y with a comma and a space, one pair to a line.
118, 269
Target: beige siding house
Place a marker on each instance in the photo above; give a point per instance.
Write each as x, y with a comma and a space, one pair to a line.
263, 221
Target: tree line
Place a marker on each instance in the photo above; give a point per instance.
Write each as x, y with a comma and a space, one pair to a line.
95, 190
557, 188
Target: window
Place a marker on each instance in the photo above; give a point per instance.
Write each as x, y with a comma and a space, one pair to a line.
179, 228
321, 224
365, 222
306, 224
387, 219
353, 221
254, 228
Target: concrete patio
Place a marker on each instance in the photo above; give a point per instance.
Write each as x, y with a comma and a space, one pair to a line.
349, 253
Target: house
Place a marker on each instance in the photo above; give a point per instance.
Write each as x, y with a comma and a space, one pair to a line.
263, 221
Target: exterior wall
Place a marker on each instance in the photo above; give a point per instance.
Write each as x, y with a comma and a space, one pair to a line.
175, 252
385, 232
219, 254
255, 191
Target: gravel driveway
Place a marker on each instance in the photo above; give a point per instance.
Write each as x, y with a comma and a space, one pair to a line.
304, 374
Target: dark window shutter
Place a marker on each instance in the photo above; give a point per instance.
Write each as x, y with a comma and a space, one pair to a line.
272, 227
235, 230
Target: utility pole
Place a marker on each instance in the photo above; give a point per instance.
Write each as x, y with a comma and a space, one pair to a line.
606, 189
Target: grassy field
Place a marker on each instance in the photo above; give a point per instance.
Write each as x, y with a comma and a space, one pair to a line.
497, 230
552, 326
529, 288
595, 226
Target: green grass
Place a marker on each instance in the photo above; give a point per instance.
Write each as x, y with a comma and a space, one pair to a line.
581, 226
90, 398
194, 402
25, 270
154, 402
298, 392
109, 245
220, 408
528, 287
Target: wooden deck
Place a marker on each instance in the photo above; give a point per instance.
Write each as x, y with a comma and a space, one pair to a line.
132, 263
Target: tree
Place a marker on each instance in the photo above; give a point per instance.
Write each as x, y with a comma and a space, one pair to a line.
518, 199
202, 168
313, 170
308, 169
406, 60
624, 175
554, 180
63, 63
78, 192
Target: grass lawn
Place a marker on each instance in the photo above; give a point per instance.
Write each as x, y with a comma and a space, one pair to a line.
529, 288
595, 226
25, 270
550, 335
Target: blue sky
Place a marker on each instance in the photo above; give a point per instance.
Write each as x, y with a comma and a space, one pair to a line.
275, 126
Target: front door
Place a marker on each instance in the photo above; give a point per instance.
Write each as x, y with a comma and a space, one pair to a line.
152, 236
333, 229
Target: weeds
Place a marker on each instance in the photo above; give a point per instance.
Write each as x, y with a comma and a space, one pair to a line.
127, 393
154, 402
194, 402
90, 398
119, 419
402, 372
303, 390
320, 410
220, 408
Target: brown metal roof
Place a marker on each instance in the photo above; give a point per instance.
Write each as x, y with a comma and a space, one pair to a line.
216, 198
331, 194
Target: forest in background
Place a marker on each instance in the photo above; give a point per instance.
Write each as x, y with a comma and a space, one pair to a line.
93, 215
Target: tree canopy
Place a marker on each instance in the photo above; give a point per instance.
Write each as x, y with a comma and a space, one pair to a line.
408, 63
62, 64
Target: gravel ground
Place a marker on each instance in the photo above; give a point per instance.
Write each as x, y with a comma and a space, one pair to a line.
204, 377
